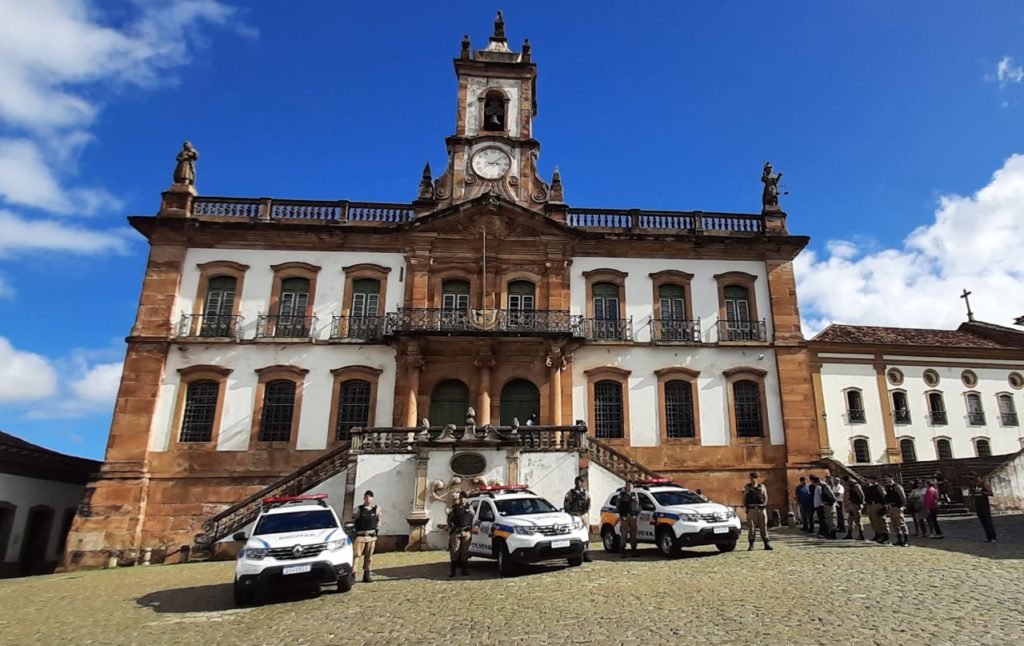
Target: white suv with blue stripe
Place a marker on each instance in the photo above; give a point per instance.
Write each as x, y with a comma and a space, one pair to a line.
295, 540
514, 525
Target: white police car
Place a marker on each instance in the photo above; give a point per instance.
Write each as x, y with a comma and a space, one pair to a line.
514, 525
672, 517
295, 540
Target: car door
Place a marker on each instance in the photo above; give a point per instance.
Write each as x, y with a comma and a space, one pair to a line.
483, 520
645, 521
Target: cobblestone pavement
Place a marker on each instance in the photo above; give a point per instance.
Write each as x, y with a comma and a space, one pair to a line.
806, 591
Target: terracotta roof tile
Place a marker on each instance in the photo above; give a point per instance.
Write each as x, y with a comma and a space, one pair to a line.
868, 334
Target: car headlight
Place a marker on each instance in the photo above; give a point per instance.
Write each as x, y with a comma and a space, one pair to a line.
525, 530
255, 553
689, 518
334, 546
577, 523
730, 513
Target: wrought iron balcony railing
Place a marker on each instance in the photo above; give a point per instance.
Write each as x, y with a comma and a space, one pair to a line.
223, 326
939, 418
482, 321
358, 328
742, 331
608, 329
976, 419
1009, 419
901, 415
285, 326
856, 415
675, 330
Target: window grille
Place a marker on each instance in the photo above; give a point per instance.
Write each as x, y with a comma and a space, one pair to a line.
679, 409
200, 410
278, 409
747, 401
353, 407
608, 410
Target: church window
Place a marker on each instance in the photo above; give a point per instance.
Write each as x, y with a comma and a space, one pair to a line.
937, 409
353, 407
900, 407
944, 449
975, 413
861, 451
983, 448
1007, 409
855, 406
454, 302
907, 450
931, 378
521, 301
895, 376
747, 405
200, 411
278, 410
679, 417
608, 410
494, 111
969, 378
1016, 380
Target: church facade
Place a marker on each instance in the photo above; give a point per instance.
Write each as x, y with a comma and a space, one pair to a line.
274, 336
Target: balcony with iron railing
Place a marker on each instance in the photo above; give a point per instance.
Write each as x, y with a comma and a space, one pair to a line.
209, 326
856, 415
939, 418
617, 330
358, 329
975, 418
742, 331
1009, 419
683, 331
285, 326
338, 212
472, 322
901, 416
678, 222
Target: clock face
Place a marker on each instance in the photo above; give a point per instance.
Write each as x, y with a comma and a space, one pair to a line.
491, 163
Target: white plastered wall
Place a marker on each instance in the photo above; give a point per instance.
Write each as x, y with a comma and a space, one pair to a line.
391, 477
836, 379
25, 493
601, 483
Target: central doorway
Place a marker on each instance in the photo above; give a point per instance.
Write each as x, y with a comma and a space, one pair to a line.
519, 399
448, 403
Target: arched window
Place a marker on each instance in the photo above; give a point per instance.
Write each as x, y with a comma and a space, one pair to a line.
747, 402
679, 416
608, 410
521, 302
983, 448
937, 409
278, 409
673, 324
449, 403
494, 111
737, 315
944, 449
861, 452
907, 450
353, 407
1007, 409
606, 311
975, 413
291, 309
520, 399
855, 406
900, 407
200, 411
219, 308
454, 303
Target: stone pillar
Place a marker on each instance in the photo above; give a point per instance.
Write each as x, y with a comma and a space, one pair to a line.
824, 443
419, 518
512, 466
413, 365
483, 410
892, 447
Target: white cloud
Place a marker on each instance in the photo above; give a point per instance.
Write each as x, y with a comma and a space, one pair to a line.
975, 242
81, 383
25, 178
18, 234
24, 376
99, 384
6, 291
1007, 72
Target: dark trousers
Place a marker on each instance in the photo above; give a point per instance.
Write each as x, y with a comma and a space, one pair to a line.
824, 529
807, 515
933, 522
840, 521
984, 509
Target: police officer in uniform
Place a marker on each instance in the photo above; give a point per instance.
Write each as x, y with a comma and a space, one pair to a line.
896, 500
460, 525
577, 503
854, 506
981, 491
628, 505
367, 517
755, 500
874, 503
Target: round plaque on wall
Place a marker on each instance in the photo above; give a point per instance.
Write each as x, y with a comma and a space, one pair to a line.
468, 464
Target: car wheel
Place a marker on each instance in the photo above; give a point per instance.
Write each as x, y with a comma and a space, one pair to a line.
243, 596
345, 582
505, 565
666, 542
609, 539
726, 547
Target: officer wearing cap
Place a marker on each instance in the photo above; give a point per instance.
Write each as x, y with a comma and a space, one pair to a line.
755, 500
367, 517
628, 506
577, 503
460, 525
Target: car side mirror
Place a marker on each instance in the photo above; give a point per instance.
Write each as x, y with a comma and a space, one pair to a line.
349, 527
239, 536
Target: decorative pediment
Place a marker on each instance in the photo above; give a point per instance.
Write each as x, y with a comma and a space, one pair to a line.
491, 213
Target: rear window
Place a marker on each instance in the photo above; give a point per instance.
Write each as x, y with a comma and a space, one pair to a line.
295, 522
678, 497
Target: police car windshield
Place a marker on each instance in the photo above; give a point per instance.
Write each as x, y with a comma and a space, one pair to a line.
678, 497
295, 522
523, 506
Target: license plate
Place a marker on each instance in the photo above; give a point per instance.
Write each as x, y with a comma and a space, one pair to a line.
296, 569
558, 544
722, 530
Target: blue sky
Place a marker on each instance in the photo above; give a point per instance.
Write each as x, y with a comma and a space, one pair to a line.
895, 124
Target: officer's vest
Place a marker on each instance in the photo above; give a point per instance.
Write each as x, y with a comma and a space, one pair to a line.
367, 519
754, 497
577, 501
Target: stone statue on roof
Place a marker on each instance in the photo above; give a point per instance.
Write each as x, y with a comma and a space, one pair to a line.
185, 171
770, 195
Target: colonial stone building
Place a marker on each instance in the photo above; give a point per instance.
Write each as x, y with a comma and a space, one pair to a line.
272, 333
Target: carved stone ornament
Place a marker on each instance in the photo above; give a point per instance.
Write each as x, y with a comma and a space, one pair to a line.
446, 492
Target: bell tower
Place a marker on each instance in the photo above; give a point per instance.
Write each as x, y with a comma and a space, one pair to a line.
493, 149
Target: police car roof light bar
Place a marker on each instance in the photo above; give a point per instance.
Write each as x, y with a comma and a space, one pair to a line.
655, 481
281, 500
515, 487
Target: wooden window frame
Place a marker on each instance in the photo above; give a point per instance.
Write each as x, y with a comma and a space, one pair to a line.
215, 269
983, 438
935, 445
359, 272
1013, 406
609, 373
340, 376
981, 407
928, 405
678, 373
846, 404
204, 372
747, 373
892, 404
739, 279
605, 275
853, 448
274, 373
913, 444
437, 283
293, 270
671, 277
539, 291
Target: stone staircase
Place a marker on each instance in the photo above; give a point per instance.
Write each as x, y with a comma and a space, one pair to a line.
618, 463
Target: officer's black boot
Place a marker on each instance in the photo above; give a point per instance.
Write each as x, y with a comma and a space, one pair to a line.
586, 557
767, 545
849, 535
452, 574
465, 569
751, 548
366, 577
860, 537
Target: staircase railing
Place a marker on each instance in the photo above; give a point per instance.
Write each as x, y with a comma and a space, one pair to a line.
618, 463
241, 514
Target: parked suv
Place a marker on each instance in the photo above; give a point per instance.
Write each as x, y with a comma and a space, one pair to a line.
295, 540
672, 517
514, 525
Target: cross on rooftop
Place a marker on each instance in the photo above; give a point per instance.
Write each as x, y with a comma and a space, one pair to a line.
970, 314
